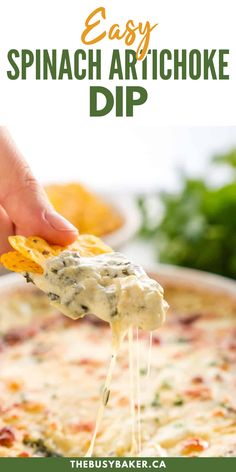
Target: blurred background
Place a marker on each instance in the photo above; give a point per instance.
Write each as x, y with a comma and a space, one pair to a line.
158, 194
120, 158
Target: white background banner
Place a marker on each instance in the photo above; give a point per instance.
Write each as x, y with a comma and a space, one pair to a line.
182, 24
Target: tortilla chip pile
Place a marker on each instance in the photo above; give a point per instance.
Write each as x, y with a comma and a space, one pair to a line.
86, 211
31, 253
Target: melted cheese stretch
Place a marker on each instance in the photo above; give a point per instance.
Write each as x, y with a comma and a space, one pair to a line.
118, 292
109, 286
103, 403
132, 394
138, 390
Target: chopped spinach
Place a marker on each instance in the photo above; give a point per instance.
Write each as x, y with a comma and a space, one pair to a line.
156, 401
143, 371
53, 296
178, 401
40, 447
28, 278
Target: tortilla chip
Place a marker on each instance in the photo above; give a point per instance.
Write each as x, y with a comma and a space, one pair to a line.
17, 263
89, 245
30, 253
34, 248
86, 211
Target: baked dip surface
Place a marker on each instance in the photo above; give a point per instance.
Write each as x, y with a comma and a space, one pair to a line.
52, 371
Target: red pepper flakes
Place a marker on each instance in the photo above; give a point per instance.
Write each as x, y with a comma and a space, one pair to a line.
18, 335
23, 454
189, 320
156, 340
7, 437
83, 426
200, 392
197, 380
194, 445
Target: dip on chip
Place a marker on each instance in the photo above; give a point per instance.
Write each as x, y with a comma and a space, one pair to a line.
30, 253
107, 285
87, 277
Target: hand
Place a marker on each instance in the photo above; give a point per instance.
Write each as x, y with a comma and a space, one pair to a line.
24, 207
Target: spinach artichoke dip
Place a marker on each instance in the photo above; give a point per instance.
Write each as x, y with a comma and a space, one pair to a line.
60, 394
107, 285
116, 291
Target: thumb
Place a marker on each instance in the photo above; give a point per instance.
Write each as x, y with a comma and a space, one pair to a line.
25, 201
32, 214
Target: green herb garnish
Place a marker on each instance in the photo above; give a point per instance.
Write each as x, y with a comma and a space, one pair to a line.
40, 447
178, 402
143, 371
156, 401
198, 227
105, 396
182, 340
166, 385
